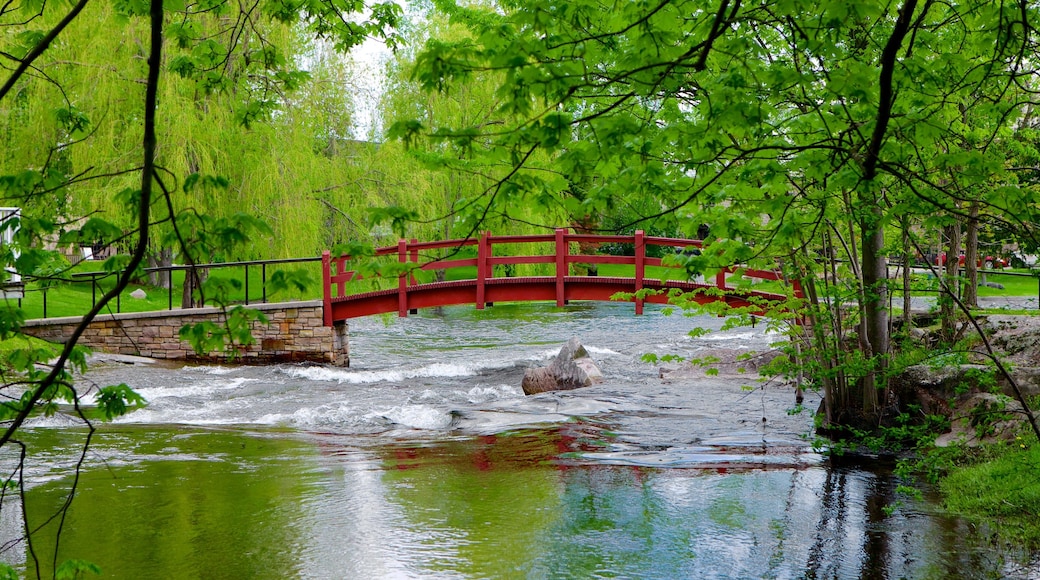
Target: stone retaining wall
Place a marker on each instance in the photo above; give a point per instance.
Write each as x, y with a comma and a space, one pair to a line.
295, 333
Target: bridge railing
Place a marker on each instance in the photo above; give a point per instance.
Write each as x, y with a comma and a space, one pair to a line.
68, 289
414, 255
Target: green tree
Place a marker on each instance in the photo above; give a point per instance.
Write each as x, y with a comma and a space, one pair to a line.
72, 138
459, 176
789, 126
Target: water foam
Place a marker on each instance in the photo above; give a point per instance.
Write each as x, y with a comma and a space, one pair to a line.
193, 391
603, 351
323, 415
417, 417
210, 370
485, 394
434, 370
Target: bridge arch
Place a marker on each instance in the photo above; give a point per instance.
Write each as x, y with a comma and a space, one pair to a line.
486, 287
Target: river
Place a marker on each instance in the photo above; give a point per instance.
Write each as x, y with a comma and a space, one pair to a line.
426, 460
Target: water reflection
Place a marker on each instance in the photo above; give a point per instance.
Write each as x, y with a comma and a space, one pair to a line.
517, 512
173, 503
166, 502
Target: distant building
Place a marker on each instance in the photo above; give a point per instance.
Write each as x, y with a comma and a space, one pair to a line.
9, 223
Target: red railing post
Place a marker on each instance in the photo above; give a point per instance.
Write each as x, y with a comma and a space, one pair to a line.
640, 243
483, 262
414, 259
720, 279
562, 249
402, 280
326, 284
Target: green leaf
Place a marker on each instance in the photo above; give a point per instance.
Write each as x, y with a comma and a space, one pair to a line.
116, 400
204, 337
284, 280
73, 569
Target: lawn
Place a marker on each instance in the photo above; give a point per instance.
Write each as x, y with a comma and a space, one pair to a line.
89, 284
1013, 282
1002, 490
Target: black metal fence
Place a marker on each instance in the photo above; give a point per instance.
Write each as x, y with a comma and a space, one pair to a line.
96, 280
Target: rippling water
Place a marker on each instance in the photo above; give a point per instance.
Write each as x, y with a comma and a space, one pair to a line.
425, 460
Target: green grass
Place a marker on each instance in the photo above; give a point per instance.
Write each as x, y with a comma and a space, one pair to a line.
1002, 491
21, 341
1013, 281
1013, 285
652, 272
76, 298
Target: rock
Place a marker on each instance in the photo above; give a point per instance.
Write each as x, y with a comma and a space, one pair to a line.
538, 380
127, 359
996, 285
982, 418
1018, 337
572, 368
720, 361
953, 380
919, 334
138, 294
949, 380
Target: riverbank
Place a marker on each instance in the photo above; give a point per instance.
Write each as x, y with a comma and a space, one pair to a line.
993, 477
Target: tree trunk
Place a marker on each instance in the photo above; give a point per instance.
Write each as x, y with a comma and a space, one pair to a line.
971, 258
586, 225
192, 295
875, 311
947, 308
162, 259
908, 260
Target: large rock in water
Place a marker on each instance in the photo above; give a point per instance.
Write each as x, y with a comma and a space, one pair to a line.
571, 369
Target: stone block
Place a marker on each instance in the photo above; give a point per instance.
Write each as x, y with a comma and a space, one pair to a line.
271, 344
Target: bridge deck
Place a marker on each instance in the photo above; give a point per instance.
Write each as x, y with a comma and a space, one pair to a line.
561, 288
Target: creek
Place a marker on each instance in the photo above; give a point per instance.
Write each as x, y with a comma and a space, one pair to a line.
424, 459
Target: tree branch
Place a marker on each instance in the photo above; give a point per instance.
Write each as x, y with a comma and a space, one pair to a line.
148, 143
886, 96
40, 48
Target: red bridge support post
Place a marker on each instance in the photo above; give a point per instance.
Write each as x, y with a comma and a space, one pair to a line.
562, 249
414, 259
326, 283
640, 267
402, 280
483, 268
414, 256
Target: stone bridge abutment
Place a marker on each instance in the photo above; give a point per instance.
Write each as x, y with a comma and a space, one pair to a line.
295, 333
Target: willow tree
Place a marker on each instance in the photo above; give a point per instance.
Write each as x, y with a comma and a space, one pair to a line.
789, 126
63, 135
239, 102
461, 177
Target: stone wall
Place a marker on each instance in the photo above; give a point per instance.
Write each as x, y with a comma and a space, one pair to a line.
294, 332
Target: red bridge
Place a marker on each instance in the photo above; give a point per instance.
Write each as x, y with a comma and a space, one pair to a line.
486, 288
